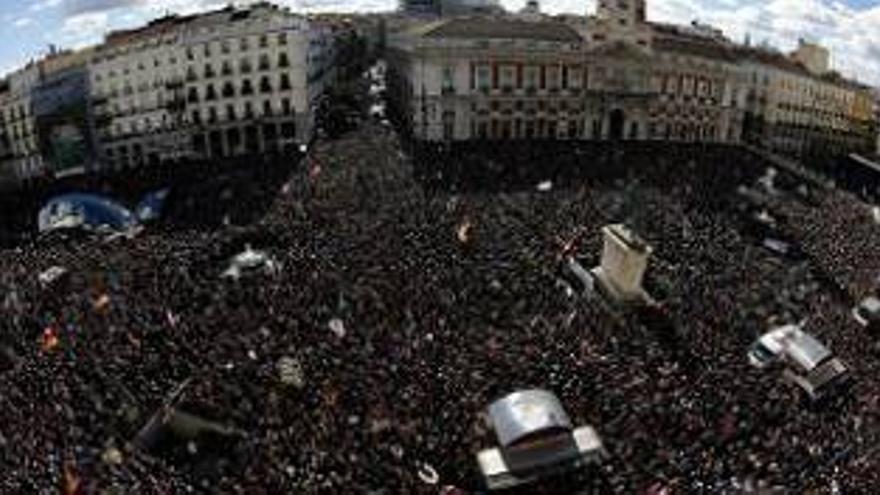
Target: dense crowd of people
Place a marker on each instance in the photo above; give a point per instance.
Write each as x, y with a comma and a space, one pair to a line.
415, 288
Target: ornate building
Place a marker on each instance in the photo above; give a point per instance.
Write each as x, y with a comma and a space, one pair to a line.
617, 76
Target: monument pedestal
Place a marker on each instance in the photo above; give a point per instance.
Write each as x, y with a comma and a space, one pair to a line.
624, 260
614, 294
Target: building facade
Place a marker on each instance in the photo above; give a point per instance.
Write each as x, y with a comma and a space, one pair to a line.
522, 78
616, 75
217, 85
23, 155
222, 84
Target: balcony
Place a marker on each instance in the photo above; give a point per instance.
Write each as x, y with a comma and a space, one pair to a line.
174, 84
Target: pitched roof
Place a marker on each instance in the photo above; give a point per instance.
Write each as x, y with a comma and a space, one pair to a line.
498, 28
673, 38
693, 46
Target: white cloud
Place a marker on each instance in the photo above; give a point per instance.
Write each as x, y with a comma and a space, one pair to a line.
83, 29
23, 22
40, 6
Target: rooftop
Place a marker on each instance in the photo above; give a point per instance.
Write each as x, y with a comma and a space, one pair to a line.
503, 28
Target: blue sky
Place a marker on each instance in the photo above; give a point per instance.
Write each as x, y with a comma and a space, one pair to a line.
851, 28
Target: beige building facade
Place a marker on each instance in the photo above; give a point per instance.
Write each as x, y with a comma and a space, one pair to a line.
223, 84
618, 76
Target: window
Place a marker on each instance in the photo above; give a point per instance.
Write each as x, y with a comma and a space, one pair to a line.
264, 41
285, 106
283, 60
285, 82
288, 130
189, 54
282, 39
264, 62
265, 85
210, 94
207, 49
448, 82
245, 66
248, 110
212, 115
483, 76
267, 108
191, 74
246, 88
449, 125
209, 71
243, 45
228, 90
226, 70
230, 112
224, 47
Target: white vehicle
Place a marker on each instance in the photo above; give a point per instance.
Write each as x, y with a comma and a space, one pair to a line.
51, 275
536, 440
251, 261
867, 313
809, 364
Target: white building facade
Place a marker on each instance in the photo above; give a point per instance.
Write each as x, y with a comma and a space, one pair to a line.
223, 84
17, 118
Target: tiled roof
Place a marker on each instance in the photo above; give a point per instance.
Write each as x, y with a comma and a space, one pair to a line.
695, 46
498, 28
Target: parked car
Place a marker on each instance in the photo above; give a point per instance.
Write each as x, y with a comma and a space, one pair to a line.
808, 363
536, 441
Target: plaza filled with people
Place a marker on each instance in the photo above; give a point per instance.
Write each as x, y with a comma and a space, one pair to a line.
411, 287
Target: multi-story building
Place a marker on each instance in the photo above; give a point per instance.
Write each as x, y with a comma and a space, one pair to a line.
515, 78
63, 119
15, 105
461, 80
794, 111
136, 92
7, 175
616, 75
221, 84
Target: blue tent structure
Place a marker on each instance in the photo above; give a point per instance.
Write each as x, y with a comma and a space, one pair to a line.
84, 211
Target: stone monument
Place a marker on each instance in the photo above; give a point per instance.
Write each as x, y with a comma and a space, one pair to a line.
624, 260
